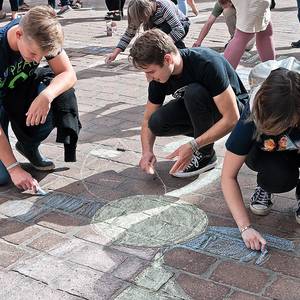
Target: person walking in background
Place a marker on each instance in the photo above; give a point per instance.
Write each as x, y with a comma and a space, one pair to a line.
182, 6
267, 139
253, 19
14, 6
229, 13
115, 9
162, 14
297, 43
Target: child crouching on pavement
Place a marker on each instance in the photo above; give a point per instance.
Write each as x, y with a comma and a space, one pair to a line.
35, 100
268, 142
162, 14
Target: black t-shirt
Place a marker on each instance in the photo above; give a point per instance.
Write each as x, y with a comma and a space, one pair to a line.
243, 137
13, 68
200, 65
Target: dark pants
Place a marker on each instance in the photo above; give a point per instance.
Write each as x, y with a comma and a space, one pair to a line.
14, 5
115, 4
31, 136
298, 5
192, 115
166, 28
277, 172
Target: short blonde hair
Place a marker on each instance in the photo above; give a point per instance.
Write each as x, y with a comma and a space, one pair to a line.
40, 24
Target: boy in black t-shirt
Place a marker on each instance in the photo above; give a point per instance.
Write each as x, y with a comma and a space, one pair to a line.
27, 99
208, 97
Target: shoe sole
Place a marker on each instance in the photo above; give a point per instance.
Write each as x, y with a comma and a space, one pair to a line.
47, 168
260, 212
198, 172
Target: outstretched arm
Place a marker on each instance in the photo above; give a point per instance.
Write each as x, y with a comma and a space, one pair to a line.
205, 30
20, 178
148, 159
234, 199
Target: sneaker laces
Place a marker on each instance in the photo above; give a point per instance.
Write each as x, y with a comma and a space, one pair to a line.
194, 161
260, 196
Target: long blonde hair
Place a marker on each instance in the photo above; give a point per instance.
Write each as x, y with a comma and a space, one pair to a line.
139, 12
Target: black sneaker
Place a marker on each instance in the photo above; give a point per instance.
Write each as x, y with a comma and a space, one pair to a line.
297, 193
296, 44
260, 203
273, 4
38, 161
199, 164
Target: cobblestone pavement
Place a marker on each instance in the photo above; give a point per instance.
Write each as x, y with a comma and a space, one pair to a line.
108, 231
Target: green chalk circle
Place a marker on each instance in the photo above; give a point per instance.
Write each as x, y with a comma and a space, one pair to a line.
149, 221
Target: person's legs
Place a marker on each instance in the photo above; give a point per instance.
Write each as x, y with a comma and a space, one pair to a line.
236, 47
14, 5
277, 172
166, 28
171, 119
4, 176
192, 4
182, 6
65, 7
29, 137
202, 111
265, 44
297, 43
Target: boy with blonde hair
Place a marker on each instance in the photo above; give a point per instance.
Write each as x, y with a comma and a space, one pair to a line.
31, 98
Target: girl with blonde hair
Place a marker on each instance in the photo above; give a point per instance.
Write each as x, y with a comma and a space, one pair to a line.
162, 14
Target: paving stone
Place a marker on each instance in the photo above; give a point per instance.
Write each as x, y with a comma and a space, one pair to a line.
16, 232
69, 277
189, 261
200, 289
283, 263
16, 286
129, 269
94, 256
47, 241
145, 253
284, 288
9, 254
59, 222
245, 296
21, 209
241, 276
153, 277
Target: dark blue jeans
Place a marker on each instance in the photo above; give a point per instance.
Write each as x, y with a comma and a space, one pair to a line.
298, 4
36, 133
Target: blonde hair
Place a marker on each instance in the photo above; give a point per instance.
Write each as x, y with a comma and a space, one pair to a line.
41, 25
139, 12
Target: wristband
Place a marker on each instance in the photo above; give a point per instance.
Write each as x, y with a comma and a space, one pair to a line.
12, 165
245, 228
194, 145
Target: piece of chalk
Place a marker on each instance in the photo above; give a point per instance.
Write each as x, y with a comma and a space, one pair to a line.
40, 191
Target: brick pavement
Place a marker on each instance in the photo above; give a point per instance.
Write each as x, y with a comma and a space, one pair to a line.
78, 242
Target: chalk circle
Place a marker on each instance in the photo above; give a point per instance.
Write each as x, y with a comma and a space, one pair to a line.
97, 162
149, 221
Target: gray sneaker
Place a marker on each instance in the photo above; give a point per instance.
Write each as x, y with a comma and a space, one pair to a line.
64, 9
260, 203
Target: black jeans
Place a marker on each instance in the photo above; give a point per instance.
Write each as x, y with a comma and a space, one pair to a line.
277, 172
192, 115
115, 4
14, 5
